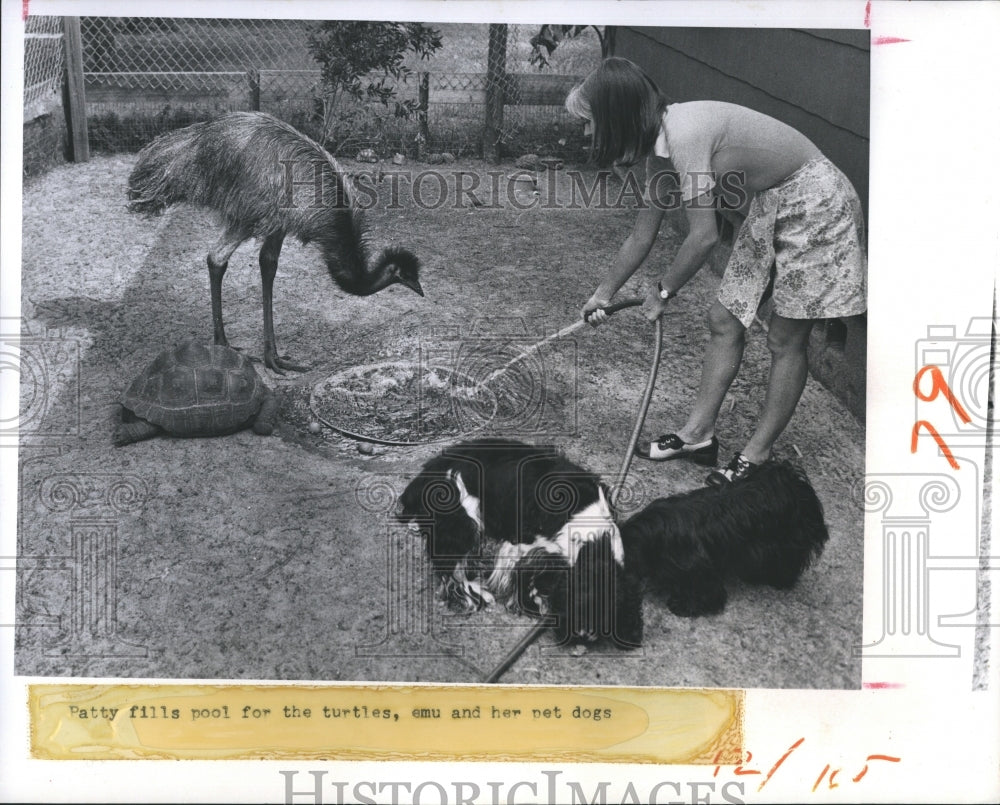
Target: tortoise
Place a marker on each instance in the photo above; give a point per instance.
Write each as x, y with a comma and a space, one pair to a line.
196, 390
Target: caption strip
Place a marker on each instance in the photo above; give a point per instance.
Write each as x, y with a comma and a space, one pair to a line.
636, 725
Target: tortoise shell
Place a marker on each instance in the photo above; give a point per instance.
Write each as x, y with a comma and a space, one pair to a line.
197, 390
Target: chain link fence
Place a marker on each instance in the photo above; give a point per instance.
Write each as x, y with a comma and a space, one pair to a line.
147, 75
44, 63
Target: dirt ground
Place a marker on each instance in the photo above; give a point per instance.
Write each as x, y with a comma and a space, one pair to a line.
248, 557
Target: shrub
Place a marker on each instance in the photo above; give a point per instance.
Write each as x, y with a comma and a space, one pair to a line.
357, 61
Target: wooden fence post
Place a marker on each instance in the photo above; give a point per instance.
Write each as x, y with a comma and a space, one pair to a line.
496, 91
608, 42
74, 95
423, 102
253, 79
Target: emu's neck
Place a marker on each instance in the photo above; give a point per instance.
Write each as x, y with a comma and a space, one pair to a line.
352, 273
340, 234
361, 283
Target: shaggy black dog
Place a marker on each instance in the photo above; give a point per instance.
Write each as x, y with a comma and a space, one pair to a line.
523, 525
765, 529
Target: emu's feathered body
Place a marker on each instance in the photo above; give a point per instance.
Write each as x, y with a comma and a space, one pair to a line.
266, 180
766, 529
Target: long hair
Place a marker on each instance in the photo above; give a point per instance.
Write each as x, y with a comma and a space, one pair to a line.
625, 107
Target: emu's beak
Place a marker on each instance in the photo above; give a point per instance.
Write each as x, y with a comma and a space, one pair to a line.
413, 285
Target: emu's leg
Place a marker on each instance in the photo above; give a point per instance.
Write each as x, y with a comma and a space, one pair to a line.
268, 268
218, 262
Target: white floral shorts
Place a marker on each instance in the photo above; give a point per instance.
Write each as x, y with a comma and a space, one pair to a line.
810, 229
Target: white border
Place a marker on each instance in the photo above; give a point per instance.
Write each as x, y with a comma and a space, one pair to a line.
934, 251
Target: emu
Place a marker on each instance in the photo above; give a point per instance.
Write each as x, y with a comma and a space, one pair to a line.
243, 167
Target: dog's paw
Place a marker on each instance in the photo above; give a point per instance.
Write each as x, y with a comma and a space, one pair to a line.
695, 603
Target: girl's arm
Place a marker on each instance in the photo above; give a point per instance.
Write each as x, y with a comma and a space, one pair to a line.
703, 234
635, 248
632, 252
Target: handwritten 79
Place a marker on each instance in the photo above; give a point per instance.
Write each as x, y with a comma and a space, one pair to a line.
938, 386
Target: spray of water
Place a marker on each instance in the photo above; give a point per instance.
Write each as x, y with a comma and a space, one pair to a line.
572, 328
527, 353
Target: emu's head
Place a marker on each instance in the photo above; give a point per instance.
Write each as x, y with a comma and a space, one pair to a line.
403, 267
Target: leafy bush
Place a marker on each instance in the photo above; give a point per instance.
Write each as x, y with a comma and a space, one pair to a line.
113, 132
357, 61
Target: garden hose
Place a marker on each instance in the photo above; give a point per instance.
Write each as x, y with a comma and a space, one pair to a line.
525, 642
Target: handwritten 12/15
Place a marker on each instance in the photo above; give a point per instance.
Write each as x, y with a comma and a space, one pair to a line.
742, 769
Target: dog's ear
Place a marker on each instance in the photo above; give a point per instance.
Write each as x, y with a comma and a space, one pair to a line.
409, 505
598, 600
431, 494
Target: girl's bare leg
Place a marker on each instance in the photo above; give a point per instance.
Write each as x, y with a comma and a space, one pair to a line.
721, 363
788, 340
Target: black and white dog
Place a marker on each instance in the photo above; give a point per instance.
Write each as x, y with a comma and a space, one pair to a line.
523, 525
765, 529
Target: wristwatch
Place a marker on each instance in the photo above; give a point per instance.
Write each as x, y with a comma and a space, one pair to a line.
665, 294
